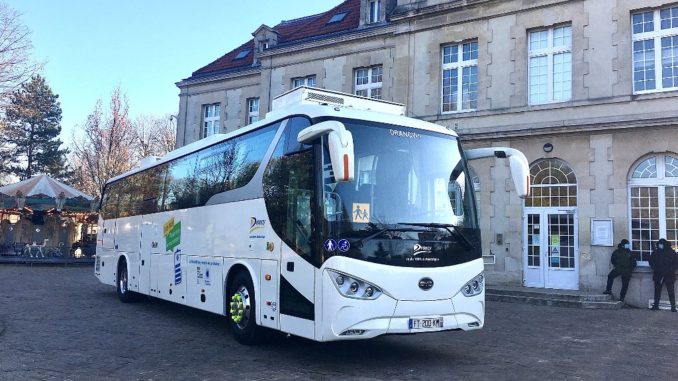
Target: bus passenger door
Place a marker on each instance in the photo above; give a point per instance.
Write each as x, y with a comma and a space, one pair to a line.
297, 273
149, 244
289, 189
127, 236
108, 235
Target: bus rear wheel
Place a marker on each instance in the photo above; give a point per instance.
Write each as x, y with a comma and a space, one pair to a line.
242, 310
122, 284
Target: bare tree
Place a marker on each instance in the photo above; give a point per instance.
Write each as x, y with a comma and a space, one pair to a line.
5, 155
153, 136
105, 149
16, 67
167, 135
144, 136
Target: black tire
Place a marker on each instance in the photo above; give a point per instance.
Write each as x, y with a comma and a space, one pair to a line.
241, 310
122, 284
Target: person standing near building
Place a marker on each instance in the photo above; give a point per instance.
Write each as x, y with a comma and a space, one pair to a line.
664, 263
623, 262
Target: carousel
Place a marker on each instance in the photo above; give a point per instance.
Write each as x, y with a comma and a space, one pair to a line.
44, 218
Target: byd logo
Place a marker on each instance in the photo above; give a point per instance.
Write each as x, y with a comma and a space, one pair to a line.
426, 284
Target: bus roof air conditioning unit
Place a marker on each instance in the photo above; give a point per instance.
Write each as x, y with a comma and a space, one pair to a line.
313, 96
148, 160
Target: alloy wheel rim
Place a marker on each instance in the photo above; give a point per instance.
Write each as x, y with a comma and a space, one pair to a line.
123, 281
240, 307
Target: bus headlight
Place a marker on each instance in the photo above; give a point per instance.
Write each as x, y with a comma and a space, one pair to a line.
352, 287
475, 286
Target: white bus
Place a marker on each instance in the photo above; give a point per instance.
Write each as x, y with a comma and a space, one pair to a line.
334, 218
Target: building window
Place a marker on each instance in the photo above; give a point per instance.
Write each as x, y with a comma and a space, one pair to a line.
252, 110
242, 54
554, 184
337, 18
460, 71
303, 81
375, 11
550, 65
655, 50
368, 81
653, 203
211, 116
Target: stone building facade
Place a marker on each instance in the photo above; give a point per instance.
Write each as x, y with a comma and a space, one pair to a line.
587, 89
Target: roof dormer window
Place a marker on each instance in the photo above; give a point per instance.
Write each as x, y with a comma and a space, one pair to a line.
375, 11
242, 54
337, 18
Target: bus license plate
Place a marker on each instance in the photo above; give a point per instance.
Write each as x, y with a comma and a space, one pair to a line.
426, 323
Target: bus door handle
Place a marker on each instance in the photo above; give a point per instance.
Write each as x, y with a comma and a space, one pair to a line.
290, 266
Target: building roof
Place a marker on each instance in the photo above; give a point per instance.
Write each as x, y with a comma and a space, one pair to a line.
289, 32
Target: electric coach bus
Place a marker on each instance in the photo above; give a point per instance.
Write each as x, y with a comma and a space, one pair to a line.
335, 218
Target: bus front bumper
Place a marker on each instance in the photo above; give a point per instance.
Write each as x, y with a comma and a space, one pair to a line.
354, 319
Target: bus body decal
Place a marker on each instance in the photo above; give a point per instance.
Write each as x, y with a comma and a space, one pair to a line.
293, 303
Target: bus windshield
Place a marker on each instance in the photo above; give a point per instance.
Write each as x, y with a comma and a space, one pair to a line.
411, 202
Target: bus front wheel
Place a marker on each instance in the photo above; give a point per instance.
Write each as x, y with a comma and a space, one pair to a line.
242, 310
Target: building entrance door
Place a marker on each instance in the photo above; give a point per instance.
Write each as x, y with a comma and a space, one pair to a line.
551, 248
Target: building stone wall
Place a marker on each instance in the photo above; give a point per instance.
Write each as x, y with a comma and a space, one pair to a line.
601, 132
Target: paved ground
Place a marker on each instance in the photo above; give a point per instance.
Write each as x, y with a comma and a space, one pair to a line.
60, 323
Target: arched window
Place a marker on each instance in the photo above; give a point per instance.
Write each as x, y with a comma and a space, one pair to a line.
653, 202
553, 184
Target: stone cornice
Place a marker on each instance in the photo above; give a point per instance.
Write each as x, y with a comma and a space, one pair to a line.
326, 42
571, 127
414, 10
218, 77
462, 5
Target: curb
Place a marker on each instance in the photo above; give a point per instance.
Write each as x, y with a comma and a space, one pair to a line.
47, 264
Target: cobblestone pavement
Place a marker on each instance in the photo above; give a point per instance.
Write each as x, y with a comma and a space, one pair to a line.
61, 323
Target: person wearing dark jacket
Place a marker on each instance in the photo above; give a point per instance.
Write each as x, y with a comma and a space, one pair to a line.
623, 262
664, 263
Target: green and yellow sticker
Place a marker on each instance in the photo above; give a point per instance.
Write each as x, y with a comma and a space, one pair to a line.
172, 232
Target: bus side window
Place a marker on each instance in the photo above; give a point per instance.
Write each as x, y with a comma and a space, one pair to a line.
181, 187
152, 189
294, 126
109, 202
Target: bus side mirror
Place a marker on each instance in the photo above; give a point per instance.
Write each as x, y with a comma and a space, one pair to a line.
340, 144
520, 169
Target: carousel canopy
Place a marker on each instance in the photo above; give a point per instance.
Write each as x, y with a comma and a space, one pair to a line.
44, 186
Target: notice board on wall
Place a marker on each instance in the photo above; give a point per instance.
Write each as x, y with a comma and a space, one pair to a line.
601, 232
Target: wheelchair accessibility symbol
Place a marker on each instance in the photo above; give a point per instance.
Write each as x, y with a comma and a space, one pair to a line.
344, 245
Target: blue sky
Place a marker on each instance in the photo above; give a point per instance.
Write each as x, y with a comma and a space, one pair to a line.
143, 46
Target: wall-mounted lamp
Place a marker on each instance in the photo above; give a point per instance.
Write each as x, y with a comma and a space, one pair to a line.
60, 201
548, 147
13, 218
20, 200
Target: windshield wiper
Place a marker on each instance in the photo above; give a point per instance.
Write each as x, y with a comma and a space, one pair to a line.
453, 229
379, 232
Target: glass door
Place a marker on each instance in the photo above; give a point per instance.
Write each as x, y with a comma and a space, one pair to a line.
551, 250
